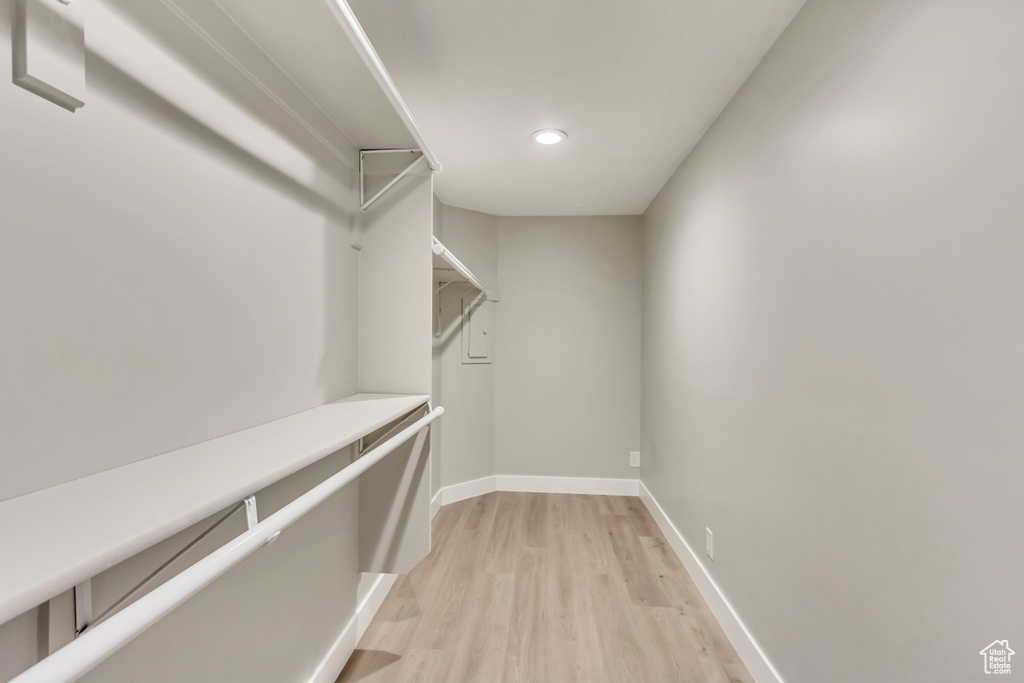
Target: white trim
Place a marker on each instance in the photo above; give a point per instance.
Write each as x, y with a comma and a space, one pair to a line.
526, 484
750, 652
584, 485
435, 504
371, 603
329, 668
467, 489
334, 661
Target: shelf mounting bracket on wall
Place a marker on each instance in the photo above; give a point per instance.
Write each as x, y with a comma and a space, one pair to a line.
444, 253
365, 203
83, 606
83, 601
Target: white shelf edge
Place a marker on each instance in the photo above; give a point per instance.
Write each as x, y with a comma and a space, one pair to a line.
361, 42
445, 254
58, 537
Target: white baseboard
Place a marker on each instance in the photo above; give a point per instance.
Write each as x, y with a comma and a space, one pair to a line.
525, 484
747, 648
584, 485
467, 489
334, 661
435, 504
371, 603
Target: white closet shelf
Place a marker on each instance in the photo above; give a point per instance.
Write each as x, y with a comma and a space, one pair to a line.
58, 537
448, 268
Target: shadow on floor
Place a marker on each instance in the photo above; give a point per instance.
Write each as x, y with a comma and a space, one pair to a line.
367, 662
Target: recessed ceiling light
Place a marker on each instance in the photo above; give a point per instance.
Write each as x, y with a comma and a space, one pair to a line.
549, 136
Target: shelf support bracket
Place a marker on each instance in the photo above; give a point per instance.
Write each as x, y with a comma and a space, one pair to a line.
83, 606
365, 203
93, 622
363, 448
252, 517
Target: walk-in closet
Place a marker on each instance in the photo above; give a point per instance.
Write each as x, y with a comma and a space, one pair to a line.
577, 341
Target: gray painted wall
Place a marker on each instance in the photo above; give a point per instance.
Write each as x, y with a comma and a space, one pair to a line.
162, 284
394, 290
467, 437
567, 378
436, 353
833, 325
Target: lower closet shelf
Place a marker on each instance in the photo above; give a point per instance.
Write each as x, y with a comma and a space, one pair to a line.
58, 537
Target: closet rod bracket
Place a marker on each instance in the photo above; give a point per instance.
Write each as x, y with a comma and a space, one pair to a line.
83, 606
252, 517
365, 203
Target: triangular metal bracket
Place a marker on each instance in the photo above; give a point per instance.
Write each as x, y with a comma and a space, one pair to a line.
365, 203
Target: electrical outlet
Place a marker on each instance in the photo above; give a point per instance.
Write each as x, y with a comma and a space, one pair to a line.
710, 544
634, 458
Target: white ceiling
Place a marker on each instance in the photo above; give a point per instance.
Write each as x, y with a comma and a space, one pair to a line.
635, 85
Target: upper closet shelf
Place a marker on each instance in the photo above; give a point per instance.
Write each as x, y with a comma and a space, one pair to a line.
305, 68
58, 537
363, 46
448, 261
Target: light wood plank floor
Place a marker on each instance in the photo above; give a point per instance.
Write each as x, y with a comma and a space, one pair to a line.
545, 588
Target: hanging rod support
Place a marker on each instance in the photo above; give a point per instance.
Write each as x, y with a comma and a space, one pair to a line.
83, 606
361, 43
363, 448
159, 570
252, 518
442, 251
83, 654
364, 203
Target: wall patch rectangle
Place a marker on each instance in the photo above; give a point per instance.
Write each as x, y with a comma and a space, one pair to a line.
477, 329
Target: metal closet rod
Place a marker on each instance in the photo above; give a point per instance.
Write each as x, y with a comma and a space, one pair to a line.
74, 660
362, 44
455, 263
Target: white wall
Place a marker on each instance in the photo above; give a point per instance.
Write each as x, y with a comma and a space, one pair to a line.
272, 618
394, 290
467, 436
161, 286
436, 353
165, 279
833, 325
395, 357
567, 372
